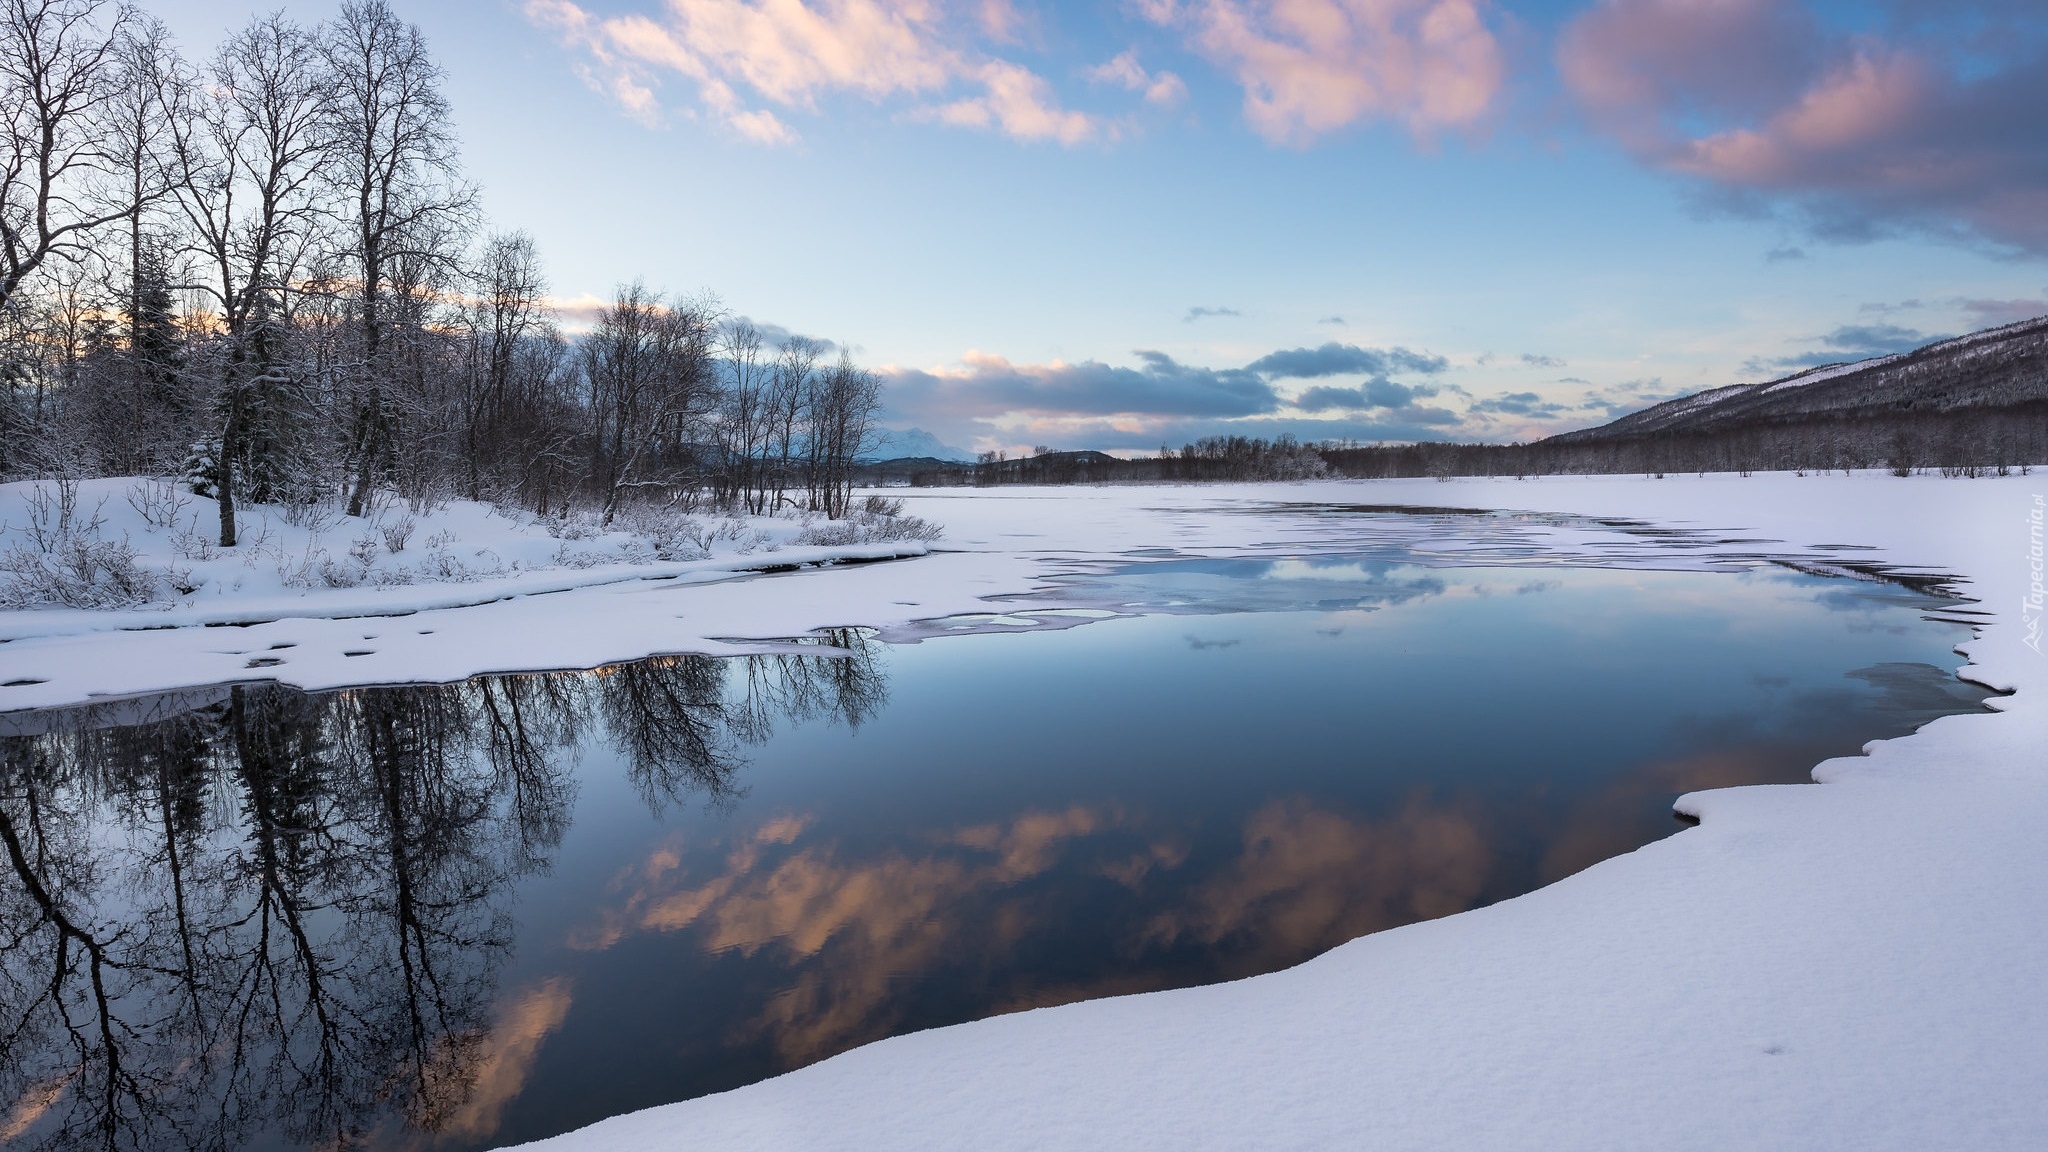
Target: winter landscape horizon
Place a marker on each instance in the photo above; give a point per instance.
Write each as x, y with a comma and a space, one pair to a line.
657, 574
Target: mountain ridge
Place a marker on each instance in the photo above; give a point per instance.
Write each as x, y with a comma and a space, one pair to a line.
1991, 369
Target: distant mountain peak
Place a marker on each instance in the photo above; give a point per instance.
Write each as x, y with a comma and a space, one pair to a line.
899, 443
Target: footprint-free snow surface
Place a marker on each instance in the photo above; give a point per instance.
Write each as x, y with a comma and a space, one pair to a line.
1114, 741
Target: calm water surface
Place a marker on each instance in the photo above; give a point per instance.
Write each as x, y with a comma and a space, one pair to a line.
461, 916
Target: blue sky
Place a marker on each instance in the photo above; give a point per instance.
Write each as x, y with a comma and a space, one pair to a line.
1106, 225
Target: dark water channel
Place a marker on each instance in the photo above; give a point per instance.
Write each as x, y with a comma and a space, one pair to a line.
461, 916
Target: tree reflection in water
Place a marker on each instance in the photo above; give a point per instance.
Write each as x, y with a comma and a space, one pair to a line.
252, 911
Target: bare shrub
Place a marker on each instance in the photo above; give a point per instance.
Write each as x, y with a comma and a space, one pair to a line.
192, 544
339, 575
52, 508
874, 520
397, 532
158, 502
575, 526
672, 535
314, 516
564, 557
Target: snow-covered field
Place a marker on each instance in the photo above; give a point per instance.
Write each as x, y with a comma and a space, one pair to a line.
1847, 966
316, 599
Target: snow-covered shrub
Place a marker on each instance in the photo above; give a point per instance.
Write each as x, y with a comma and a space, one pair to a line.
52, 508
158, 502
746, 539
830, 533
440, 563
397, 532
672, 535
77, 571
315, 516
564, 557
192, 544
59, 559
303, 572
874, 520
575, 526
336, 574
364, 549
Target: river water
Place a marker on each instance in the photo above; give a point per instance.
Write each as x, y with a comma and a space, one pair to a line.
476, 914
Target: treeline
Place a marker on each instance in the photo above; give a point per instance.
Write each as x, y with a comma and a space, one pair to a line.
1211, 458
266, 271
1967, 442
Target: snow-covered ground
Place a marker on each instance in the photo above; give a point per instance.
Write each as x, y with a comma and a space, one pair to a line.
317, 599
1848, 966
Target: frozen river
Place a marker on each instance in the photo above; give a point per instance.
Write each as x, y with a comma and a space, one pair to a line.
503, 909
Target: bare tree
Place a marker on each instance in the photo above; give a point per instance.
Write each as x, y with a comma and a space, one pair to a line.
395, 157
790, 401
845, 402
59, 74
508, 311
152, 89
742, 426
249, 185
648, 369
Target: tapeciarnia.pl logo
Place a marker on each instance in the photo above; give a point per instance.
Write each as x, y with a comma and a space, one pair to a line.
2037, 597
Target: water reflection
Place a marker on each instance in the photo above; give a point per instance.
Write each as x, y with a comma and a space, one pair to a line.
281, 917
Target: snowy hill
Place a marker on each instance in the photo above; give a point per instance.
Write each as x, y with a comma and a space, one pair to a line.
1996, 369
897, 444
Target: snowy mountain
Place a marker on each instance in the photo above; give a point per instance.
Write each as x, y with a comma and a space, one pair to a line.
895, 444
1998, 368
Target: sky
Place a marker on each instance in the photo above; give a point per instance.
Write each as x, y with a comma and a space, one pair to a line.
1137, 222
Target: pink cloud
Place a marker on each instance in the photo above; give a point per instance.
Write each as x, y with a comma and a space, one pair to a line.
1162, 89
1020, 104
1632, 64
743, 54
1861, 131
1312, 67
1868, 103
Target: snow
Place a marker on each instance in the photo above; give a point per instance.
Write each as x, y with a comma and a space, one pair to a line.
1854, 965
314, 602
1951, 345
1830, 372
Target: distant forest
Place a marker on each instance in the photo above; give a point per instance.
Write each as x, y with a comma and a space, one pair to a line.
1963, 443
1969, 406
265, 271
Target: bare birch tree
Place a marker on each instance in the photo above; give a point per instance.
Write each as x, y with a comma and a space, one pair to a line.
249, 185
394, 152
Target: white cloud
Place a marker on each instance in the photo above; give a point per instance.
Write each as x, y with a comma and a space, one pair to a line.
1162, 89
1311, 67
749, 59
